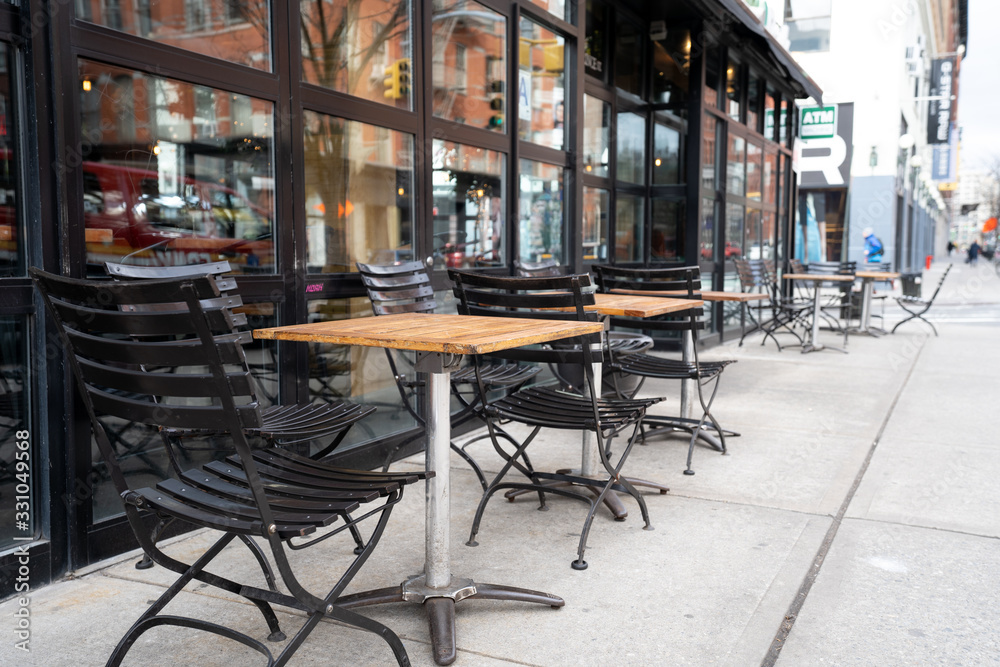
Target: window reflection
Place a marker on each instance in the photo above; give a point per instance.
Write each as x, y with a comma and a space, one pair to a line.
628, 56
736, 166
469, 65
753, 171
712, 78
541, 86
359, 194
631, 148
667, 241
709, 217
541, 225
469, 206
666, 155
767, 232
709, 152
671, 67
595, 53
769, 115
596, 135
751, 234
236, 31
11, 249
556, 7
628, 228
362, 49
734, 231
770, 177
596, 204
175, 173
753, 101
734, 89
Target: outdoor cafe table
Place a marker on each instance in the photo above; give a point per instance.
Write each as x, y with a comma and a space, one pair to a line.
439, 341
816, 278
868, 279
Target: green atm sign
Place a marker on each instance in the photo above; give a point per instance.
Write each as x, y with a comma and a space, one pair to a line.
818, 122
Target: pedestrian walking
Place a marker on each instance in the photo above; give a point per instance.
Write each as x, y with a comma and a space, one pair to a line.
974, 253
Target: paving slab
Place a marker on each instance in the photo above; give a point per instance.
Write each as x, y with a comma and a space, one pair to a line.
897, 595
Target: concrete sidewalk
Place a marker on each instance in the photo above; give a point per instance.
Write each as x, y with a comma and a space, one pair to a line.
855, 522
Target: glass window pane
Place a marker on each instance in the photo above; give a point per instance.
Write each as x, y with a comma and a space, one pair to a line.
238, 31
769, 119
595, 57
753, 172
671, 68
770, 177
667, 159
16, 441
667, 241
783, 136
541, 225
628, 57
176, 173
734, 89
596, 135
631, 148
753, 101
708, 229
751, 234
559, 8
541, 86
469, 66
709, 152
767, 233
712, 79
736, 166
358, 374
363, 50
11, 227
734, 231
359, 194
470, 202
628, 228
596, 206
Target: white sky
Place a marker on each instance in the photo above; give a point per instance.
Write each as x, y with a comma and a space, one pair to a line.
979, 87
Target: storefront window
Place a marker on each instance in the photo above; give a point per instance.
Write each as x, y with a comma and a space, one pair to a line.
628, 57
359, 194
708, 231
596, 205
628, 228
469, 66
596, 135
667, 241
238, 32
667, 160
671, 68
559, 8
753, 101
541, 224
595, 57
362, 49
734, 89
767, 232
469, 206
709, 153
734, 231
754, 171
784, 138
17, 448
11, 229
541, 86
175, 173
712, 78
770, 177
736, 166
631, 148
751, 234
769, 119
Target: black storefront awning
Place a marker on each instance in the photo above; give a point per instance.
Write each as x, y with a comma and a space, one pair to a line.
793, 71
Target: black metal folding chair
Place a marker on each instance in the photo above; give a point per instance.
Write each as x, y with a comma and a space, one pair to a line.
687, 280
551, 407
173, 361
406, 288
770, 316
916, 307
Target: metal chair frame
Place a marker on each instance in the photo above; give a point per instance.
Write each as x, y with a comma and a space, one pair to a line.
551, 297
923, 305
288, 501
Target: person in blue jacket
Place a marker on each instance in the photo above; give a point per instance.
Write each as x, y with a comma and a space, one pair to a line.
873, 246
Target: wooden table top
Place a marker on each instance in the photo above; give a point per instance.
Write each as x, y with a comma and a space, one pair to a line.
884, 275
818, 277
706, 295
433, 332
629, 305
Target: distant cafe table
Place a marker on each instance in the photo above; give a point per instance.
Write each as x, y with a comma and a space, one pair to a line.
813, 345
439, 340
868, 279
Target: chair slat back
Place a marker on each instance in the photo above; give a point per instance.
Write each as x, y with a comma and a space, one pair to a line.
545, 267
152, 366
398, 288
686, 279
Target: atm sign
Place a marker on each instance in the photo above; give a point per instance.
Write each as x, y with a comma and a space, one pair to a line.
818, 122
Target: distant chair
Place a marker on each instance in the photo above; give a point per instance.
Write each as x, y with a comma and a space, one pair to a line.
916, 306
